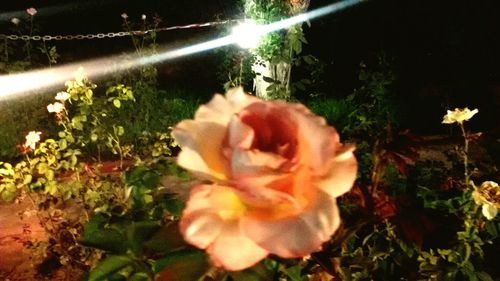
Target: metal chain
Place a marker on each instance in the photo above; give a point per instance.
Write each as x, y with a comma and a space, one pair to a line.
109, 34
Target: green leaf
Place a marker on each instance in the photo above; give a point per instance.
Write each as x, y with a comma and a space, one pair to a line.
259, 272
139, 276
184, 265
70, 138
49, 175
268, 79
27, 179
74, 160
7, 196
117, 103
108, 267
89, 94
138, 232
42, 168
309, 59
120, 131
294, 273
174, 206
167, 239
97, 235
491, 228
77, 125
63, 144
483, 276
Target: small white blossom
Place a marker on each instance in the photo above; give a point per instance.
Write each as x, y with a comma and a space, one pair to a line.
32, 138
80, 75
15, 21
124, 16
143, 17
31, 11
55, 107
489, 211
459, 115
62, 96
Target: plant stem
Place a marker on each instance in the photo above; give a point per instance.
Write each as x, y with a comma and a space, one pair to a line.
46, 51
28, 43
6, 46
465, 156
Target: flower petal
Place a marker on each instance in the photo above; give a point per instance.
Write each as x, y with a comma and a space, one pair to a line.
342, 174
317, 142
240, 134
233, 250
252, 162
220, 109
211, 221
295, 236
201, 144
489, 211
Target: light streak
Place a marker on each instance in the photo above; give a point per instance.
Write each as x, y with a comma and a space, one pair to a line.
25, 83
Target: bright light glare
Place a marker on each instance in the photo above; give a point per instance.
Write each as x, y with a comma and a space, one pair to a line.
247, 34
22, 83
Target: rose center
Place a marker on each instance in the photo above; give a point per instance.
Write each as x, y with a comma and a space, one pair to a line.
275, 131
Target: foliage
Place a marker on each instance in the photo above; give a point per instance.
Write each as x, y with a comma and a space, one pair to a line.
55, 179
278, 48
264, 12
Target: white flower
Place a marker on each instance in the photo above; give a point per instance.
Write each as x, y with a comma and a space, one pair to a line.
124, 16
62, 96
31, 11
459, 115
15, 21
32, 138
489, 211
55, 107
80, 75
143, 17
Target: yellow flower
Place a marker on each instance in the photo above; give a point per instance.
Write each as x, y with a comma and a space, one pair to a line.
32, 138
459, 115
488, 195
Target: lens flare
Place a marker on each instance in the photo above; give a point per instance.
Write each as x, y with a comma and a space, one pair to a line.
247, 34
35, 81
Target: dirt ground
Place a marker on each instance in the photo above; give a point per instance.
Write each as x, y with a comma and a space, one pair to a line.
16, 227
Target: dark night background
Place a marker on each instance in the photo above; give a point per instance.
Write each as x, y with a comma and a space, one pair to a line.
445, 53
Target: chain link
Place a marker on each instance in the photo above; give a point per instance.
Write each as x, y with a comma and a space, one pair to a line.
109, 34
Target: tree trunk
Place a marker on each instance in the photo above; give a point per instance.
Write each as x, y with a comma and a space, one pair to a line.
278, 74
267, 74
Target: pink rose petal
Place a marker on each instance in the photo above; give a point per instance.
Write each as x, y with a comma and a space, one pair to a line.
202, 148
342, 173
296, 236
235, 251
211, 221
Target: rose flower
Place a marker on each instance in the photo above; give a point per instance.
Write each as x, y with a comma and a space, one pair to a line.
276, 170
